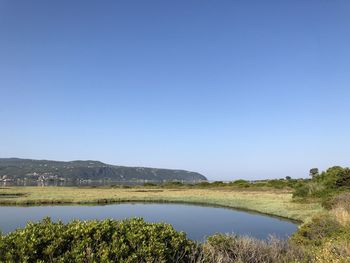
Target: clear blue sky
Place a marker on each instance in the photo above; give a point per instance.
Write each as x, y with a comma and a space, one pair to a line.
231, 89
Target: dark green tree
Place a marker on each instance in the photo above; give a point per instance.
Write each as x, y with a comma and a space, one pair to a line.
314, 172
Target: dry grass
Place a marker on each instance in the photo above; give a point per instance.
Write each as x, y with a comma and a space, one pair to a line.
273, 202
341, 209
227, 249
342, 216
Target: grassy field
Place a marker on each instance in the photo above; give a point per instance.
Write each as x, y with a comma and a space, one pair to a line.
272, 202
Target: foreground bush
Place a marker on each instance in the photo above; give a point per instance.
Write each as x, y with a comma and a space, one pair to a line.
324, 239
327, 236
227, 248
96, 241
322, 226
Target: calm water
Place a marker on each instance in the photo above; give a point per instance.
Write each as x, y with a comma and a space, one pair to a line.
197, 221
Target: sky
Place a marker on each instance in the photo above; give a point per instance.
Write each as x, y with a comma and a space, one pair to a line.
230, 89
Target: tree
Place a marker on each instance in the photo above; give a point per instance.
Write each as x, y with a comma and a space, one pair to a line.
343, 178
314, 172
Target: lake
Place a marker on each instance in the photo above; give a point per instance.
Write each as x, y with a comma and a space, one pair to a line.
196, 220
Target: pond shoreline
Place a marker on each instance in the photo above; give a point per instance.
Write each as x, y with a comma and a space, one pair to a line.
271, 203
198, 221
160, 201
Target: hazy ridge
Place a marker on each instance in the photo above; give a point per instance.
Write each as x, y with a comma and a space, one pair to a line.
16, 168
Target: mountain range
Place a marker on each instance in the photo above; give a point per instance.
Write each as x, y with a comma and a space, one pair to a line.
28, 169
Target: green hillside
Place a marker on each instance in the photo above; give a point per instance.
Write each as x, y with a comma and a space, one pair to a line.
14, 169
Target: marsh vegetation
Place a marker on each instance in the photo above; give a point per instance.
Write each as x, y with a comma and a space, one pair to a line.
321, 203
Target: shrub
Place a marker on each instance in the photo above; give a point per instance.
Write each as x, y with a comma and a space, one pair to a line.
332, 175
172, 184
343, 179
312, 233
240, 183
228, 248
203, 184
279, 184
340, 208
212, 184
301, 191
325, 185
340, 200
332, 251
149, 184
276, 183
218, 183
130, 240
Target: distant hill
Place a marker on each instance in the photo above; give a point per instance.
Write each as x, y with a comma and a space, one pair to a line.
17, 169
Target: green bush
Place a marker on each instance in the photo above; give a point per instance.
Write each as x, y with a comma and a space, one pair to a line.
301, 191
218, 183
149, 184
324, 186
203, 184
322, 226
334, 177
240, 183
172, 184
131, 240
279, 184
343, 179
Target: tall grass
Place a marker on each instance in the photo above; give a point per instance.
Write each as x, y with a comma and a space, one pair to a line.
341, 209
